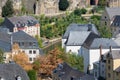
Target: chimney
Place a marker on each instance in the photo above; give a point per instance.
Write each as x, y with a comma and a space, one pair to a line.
110, 48
100, 50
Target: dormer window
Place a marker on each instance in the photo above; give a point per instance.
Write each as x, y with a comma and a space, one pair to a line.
18, 78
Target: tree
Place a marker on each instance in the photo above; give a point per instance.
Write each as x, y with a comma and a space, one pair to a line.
83, 11
75, 61
32, 74
102, 2
20, 57
50, 61
8, 10
1, 56
63, 5
39, 41
77, 12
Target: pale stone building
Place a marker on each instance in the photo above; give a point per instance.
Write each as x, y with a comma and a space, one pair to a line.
113, 3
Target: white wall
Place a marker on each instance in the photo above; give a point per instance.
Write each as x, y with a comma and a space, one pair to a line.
63, 43
31, 55
91, 56
73, 49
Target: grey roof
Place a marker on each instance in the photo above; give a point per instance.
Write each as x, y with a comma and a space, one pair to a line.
115, 54
113, 11
105, 42
11, 71
19, 21
4, 36
65, 72
118, 69
80, 27
116, 21
90, 39
5, 46
22, 37
77, 38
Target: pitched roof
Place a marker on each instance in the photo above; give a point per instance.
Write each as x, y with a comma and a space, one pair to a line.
65, 72
118, 69
5, 46
105, 42
11, 71
4, 36
77, 38
90, 39
80, 27
22, 37
112, 11
115, 54
23, 20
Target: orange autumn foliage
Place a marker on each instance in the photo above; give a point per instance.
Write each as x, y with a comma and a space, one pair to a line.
50, 61
20, 57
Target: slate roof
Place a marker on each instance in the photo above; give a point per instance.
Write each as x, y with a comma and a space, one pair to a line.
77, 38
19, 21
113, 11
11, 71
22, 37
118, 69
4, 36
116, 21
5, 46
79, 27
115, 54
65, 72
105, 42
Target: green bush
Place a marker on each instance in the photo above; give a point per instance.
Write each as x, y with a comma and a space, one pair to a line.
83, 11
77, 12
32, 74
63, 5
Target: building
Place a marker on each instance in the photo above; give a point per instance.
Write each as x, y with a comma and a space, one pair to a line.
78, 27
91, 52
112, 65
12, 71
65, 72
76, 39
27, 24
27, 44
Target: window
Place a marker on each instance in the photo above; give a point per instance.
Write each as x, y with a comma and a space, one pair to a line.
30, 59
105, 17
109, 75
109, 67
108, 61
34, 52
30, 52
105, 23
22, 43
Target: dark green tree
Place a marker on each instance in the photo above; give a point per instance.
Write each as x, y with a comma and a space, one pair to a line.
32, 74
83, 11
8, 10
102, 2
1, 56
77, 12
63, 5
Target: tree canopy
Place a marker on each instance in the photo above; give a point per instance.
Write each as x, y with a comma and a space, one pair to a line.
1, 56
63, 5
7, 9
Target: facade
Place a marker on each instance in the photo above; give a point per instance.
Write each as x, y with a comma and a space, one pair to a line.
65, 72
112, 65
27, 24
12, 72
91, 51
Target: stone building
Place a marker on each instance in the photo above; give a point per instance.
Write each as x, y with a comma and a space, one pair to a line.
113, 3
